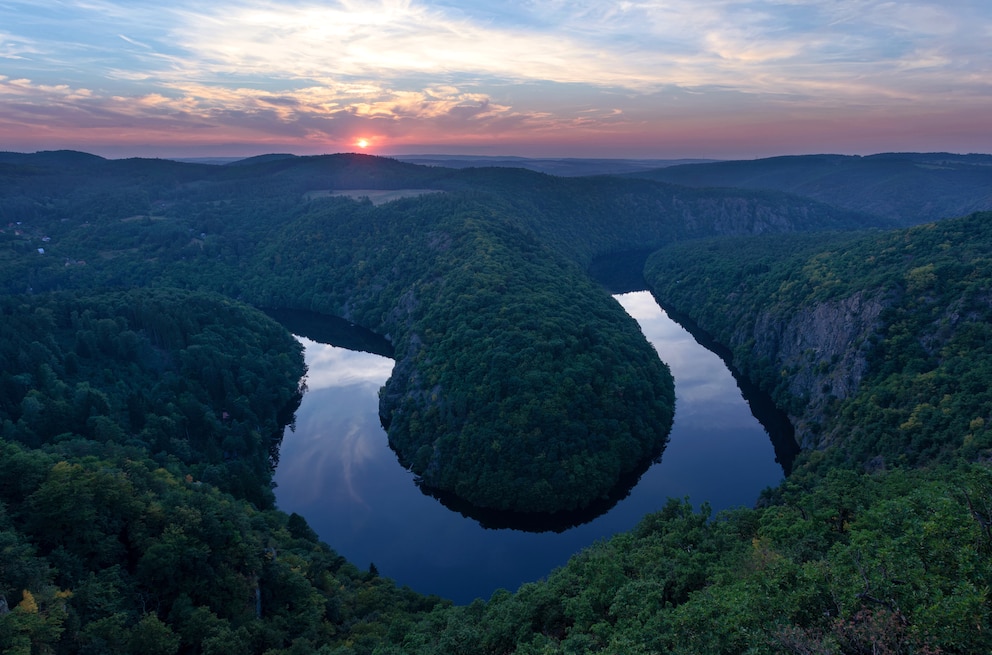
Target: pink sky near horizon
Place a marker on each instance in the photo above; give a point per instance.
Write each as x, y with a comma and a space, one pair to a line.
722, 79
728, 140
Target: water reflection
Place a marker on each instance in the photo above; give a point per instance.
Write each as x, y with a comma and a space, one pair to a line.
337, 470
495, 519
775, 421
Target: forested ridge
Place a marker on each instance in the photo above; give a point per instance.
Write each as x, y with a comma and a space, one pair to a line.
141, 400
505, 393
157, 370
907, 187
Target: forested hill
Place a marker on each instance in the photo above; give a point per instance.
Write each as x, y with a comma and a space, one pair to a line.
879, 346
587, 217
908, 188
139, 432
582, 216
140, 395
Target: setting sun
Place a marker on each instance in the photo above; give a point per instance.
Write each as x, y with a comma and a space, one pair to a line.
362, 143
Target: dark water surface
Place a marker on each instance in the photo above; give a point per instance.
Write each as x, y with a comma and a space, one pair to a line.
336, 469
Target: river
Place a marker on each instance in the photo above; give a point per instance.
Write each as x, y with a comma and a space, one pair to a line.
336, 470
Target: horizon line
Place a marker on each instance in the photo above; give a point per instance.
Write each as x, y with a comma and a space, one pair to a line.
463, 156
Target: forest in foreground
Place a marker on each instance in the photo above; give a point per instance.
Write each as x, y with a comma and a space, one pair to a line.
143, 399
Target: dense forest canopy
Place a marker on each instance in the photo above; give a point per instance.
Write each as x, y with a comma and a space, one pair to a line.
519, 384
142, 398
140, 430
184, 376
916, 392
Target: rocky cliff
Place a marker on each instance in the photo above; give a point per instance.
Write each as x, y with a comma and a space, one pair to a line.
820, 352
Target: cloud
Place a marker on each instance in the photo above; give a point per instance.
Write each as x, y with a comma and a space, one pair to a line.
385, 40
12, 47
24, 88
330, 114
133, 42
478, 71
641, 47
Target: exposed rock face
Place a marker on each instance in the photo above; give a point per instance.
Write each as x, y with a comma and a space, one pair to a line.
821, 351
741, 215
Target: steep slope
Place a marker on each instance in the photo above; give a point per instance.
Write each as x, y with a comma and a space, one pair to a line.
877, 346
139, 430
588, 217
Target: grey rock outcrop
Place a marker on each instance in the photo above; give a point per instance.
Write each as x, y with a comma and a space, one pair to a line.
822, 353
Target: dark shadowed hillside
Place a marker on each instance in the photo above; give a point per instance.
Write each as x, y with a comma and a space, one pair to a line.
907, 187
564, 167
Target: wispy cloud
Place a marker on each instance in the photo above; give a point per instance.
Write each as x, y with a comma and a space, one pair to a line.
12, 48
133, 42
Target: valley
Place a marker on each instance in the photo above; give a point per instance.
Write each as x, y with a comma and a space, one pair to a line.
143, 394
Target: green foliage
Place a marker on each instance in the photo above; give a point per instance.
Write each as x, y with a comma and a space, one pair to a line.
565, 398
180, 375
924, 394
145, 561
138, 428
129, 419
895, 562
519, 384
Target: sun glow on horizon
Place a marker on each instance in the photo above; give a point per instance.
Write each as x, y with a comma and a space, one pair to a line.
751, 78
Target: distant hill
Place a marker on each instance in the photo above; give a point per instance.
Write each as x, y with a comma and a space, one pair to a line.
909, 187
51, 158
583, 217
564, 167
259, 159
233, 161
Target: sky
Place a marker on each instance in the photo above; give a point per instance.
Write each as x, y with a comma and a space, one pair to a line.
723, 79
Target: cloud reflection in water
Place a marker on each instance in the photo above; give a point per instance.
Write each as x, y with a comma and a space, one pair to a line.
705, 391
336, 367
328, 455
